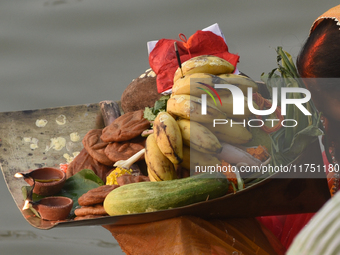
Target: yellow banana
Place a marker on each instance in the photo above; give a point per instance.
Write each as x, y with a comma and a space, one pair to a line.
150, 175
191, 84
199, 137
168, 137
227, 106
159, 167
235, 134
204, 64
189, 107
193, 159
241, 81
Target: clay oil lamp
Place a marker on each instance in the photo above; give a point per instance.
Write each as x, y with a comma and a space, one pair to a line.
50, 208
48, 181
53, 208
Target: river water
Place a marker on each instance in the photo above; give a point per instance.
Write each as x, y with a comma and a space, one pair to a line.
68, 52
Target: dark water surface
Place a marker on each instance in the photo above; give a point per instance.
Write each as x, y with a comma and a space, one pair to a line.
68, 52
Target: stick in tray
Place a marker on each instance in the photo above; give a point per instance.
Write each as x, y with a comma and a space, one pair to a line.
178, 58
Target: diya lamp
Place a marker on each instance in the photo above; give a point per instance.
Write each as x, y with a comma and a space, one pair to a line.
53, 208
47, 182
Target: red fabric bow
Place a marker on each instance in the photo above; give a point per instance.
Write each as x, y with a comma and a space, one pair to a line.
163, 61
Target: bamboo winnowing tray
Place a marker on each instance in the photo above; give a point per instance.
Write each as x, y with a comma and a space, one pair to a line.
24, 146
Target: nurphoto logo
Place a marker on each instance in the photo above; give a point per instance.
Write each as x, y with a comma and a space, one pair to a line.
239, 101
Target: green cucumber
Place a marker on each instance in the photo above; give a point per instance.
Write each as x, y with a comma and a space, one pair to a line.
154, 196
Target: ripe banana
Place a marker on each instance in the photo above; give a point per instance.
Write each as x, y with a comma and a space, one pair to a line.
159, 167
241, 81
235, 134
168, 137
193, 159
227, 106
199, 137
189, 107
204, 64
191, 84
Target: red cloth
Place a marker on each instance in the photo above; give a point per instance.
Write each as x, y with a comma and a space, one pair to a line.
163, 60
286, 227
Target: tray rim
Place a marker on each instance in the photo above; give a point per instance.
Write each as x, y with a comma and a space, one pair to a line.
116, 219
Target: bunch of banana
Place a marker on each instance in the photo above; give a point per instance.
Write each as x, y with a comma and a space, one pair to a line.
183, 137
168, 137
189, 107
241, 81
200, 74
164, 148
200, 145
191, 84
160, 168
204, 64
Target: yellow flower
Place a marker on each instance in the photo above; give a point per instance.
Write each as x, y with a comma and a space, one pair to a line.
112, 177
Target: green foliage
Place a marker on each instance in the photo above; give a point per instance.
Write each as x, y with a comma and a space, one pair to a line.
289, 142
159, 106
79, 184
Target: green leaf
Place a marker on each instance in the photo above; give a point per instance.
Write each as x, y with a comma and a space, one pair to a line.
79, 184
303, 138
26, 190
287, 63
148, 114
159, 106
